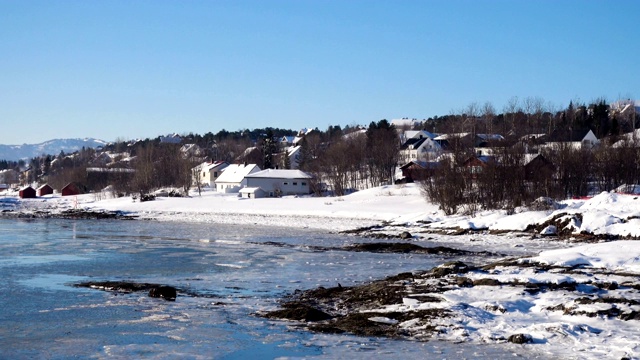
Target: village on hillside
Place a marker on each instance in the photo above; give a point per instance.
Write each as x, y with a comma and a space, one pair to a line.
466, 162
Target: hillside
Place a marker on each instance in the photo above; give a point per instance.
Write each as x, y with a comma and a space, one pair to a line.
51, 147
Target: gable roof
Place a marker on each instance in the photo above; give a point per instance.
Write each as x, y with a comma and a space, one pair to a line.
280, 174
410, 134
235, 173
213, 165
412, 143
568, 135
451, 136
421, 164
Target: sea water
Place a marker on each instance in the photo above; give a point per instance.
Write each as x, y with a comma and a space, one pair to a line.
236, 271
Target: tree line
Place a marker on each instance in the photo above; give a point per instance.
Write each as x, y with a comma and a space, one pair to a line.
357, 157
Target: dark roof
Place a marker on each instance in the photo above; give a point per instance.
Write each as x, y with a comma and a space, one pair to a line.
565, 135
412, 142
422, 164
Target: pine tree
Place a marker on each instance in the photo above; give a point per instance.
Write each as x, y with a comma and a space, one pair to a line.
269, 148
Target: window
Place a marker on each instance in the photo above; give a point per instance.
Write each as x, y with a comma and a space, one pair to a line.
285, 183
295, 184
304, 184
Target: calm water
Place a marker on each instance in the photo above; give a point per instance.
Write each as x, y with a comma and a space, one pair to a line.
239, 268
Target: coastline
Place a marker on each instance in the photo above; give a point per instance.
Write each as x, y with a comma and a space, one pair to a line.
580, 291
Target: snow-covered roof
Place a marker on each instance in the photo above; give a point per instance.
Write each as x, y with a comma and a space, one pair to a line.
213, 165
410, 134
354, 133
280, 174
405, 122
292, 150
450, 136
171, 139
234, 173
490, 136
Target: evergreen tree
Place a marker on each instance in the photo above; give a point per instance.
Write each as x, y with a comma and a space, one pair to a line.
269, 147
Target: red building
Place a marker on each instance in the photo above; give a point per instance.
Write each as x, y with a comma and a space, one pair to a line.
27, 193
44, 190
71, 189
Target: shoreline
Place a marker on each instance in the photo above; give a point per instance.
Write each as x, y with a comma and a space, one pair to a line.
569, 289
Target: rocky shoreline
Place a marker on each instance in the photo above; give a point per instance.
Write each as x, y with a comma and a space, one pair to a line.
442, 303
68, 214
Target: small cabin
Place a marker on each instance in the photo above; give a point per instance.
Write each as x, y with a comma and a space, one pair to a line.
71, 189
44, 190
27, 193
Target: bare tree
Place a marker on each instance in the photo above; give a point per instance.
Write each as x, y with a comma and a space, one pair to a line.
510, 109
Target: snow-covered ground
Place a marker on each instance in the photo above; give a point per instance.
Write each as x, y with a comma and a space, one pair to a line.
485, 313
606, 213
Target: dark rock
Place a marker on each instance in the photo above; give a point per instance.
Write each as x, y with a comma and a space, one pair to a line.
386, 247
464, 282
401, 276
486, 282
405, 235
520, 338
611, 286
168, 293
299, 312
155, 290
454, 267
634, 315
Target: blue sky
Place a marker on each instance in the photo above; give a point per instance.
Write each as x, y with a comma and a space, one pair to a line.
136, 69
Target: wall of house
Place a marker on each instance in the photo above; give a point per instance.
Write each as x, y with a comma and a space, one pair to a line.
285, 186
229, 187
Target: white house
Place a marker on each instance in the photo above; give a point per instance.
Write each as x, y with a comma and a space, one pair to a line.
208, 172
419, 146
233, 179
278, 182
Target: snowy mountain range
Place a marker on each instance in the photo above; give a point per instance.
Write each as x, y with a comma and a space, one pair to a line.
51, 147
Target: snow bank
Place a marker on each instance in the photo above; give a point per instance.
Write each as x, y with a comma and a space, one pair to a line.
617, 255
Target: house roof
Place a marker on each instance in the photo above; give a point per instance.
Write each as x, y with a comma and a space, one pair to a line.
405, 122
213, 165
487, 137
44, 186
422, 164
483, 159
293, 149
450, 136
412, 143
409, 134
568, 135
280, 174
235, 173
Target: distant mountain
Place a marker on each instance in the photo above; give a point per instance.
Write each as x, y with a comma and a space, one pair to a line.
51, 147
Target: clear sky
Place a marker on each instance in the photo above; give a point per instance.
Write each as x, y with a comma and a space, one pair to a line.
136, 69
